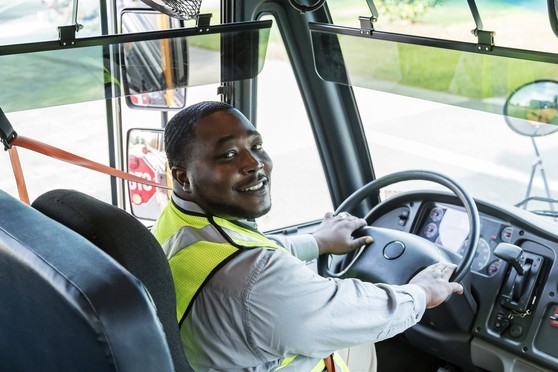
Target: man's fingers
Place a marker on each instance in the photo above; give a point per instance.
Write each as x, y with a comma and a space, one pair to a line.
456, 288
364, 240
448, 270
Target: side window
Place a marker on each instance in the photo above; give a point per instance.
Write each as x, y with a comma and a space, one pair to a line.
299, 189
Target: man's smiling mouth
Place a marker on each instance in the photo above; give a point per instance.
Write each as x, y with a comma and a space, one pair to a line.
256, 187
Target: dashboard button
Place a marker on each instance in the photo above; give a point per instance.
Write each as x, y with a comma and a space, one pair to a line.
516, 330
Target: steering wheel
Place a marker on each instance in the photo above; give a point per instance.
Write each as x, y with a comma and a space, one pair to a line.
394, 256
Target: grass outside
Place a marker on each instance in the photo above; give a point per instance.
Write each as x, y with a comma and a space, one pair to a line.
470, 75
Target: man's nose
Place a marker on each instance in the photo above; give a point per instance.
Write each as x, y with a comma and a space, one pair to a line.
251, 163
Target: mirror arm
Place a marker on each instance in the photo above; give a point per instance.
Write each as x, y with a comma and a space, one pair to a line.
203, 20
75, 14
67, 34
485, 38
373, 10
367, 23
476, 15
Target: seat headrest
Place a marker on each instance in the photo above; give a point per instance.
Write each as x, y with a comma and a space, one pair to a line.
66, 305
130, 243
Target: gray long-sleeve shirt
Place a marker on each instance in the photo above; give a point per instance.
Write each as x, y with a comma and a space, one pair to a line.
266, 305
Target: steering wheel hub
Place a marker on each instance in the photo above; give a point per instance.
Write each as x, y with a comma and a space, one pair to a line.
394, 250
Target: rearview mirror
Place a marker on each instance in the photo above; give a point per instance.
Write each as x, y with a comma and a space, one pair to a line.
531, 109
147, 159
154, 70
157, 70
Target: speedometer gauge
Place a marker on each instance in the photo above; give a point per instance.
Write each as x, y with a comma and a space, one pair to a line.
482, 255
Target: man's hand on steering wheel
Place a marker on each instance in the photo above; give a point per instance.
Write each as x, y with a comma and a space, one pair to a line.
334, 235
434, 280
396, 255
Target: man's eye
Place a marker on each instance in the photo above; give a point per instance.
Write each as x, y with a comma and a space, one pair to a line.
258, 147
228, 154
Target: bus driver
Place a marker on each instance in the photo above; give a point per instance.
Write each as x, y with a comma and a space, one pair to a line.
249, 302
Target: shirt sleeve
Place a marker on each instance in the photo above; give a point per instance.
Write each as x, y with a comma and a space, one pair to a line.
302, 246
294, 311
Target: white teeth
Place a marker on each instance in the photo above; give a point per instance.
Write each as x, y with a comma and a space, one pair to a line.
254, 188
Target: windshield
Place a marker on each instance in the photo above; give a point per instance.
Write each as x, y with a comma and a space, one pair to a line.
85, 73
426, 107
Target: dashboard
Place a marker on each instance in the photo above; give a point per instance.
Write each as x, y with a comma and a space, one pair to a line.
447, 225
506, 320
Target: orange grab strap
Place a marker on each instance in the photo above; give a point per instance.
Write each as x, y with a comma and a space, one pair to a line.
18, 173
68, 157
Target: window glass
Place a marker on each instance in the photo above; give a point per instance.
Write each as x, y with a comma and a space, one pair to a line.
25, 21
299, 190
477, 149
80, 129
459, 77
62, 76
443, 110
517, 24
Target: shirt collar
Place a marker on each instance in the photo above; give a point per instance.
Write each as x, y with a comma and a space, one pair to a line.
193, 207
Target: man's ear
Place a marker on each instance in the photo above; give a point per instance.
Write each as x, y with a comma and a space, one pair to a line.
180, 176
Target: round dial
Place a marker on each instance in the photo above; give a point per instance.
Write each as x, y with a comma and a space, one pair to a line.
482, 256
494, 267
430, 230
436, 214
506, 234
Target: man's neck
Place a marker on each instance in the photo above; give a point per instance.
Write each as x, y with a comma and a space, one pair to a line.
191, 206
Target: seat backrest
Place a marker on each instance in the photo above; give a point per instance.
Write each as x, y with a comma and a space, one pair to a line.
130, 243
67, 306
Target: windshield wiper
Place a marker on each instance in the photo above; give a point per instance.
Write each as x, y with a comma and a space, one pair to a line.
541, 212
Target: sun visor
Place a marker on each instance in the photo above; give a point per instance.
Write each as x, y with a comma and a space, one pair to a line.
468, 75
131, 64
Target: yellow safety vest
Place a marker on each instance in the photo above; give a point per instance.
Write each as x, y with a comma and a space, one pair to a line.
209, 242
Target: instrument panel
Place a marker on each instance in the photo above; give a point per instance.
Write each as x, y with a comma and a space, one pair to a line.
448, 226
505, 309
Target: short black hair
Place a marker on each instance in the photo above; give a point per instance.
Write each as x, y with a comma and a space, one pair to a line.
179, 131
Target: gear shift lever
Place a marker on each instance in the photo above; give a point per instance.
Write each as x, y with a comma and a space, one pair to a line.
518, 292
512, 254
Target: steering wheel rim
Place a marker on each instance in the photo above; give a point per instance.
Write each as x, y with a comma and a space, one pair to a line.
419, 175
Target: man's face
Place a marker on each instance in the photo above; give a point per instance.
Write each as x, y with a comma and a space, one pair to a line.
229, 171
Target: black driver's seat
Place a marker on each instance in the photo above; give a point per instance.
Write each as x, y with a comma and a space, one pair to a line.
130, 243
67, 306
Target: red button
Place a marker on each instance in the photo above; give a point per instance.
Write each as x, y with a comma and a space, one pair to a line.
554, 318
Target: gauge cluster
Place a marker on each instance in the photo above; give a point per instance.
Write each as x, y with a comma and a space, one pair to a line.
448, 226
